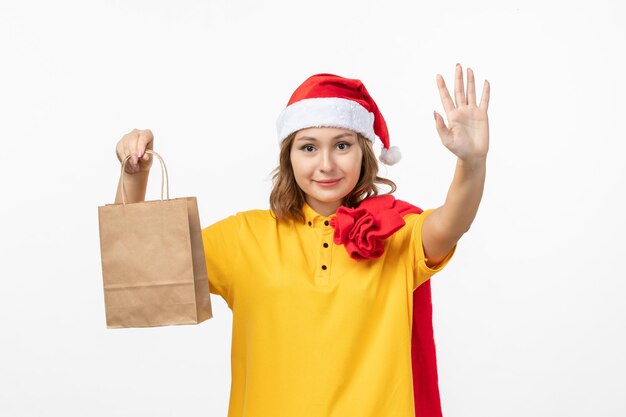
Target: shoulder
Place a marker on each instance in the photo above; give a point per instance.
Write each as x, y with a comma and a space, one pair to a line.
413, 220
256, 215
230, 232
244, 219
255, 220
412, 229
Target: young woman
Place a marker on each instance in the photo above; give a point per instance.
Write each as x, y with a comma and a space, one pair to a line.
330, 289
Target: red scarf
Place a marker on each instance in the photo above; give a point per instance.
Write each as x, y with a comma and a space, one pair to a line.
362, 231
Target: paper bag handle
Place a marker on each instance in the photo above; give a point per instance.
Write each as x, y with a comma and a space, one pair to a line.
164, 177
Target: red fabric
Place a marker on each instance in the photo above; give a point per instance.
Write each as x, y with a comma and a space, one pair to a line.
330, 85
362, 231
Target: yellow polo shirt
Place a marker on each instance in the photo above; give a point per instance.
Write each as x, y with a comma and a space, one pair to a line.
316, 333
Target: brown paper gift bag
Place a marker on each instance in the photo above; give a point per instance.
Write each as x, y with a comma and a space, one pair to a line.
153, 264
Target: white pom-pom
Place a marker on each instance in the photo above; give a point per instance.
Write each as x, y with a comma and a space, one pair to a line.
390, 156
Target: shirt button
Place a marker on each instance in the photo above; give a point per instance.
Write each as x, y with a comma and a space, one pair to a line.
324, 267
326, 223
325, 245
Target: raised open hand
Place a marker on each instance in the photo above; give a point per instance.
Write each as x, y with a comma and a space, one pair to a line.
467, 133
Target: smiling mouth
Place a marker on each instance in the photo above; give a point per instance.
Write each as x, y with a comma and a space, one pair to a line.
327, 183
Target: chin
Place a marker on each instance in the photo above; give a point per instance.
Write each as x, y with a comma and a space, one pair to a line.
329, 198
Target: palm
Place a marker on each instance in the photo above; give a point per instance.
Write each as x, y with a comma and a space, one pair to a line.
467, 133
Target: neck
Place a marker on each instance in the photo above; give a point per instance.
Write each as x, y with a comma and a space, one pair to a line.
325, 209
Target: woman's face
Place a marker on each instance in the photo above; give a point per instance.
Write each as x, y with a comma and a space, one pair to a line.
326, 164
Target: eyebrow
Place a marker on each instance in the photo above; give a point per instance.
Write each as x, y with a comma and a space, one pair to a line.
336, 137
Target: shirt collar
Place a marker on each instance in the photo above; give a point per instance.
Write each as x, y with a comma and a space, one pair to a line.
313, 218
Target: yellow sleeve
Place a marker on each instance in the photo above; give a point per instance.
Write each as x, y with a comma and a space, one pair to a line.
421, 271
221, 250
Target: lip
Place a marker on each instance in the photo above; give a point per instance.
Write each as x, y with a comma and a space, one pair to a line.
328, 183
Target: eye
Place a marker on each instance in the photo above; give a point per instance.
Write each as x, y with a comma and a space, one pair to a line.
342, 146
308, 148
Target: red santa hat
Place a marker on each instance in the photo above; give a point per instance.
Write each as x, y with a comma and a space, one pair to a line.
327, 100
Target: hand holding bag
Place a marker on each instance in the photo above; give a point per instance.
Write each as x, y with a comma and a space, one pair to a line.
153, 265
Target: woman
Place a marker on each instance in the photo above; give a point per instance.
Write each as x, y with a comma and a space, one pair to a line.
329, 289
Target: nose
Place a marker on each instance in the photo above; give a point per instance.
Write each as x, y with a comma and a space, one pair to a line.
327, 163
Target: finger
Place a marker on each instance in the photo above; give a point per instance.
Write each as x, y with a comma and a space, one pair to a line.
119, 151
144, 142
471, 88
446, 100
125, 152
132, 148
442, 129
459, 89
484, 99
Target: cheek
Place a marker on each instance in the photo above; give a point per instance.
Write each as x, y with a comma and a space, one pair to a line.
355, 167
298, 166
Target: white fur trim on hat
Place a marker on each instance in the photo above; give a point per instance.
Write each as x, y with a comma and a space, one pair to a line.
325, 112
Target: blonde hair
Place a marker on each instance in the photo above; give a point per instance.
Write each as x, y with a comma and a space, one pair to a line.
287, 198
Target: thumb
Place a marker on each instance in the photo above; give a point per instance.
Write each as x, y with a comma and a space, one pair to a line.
442, 129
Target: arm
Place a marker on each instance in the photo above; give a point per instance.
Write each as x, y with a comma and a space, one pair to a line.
466, 136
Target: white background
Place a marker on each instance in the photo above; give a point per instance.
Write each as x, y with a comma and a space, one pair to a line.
529, 316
